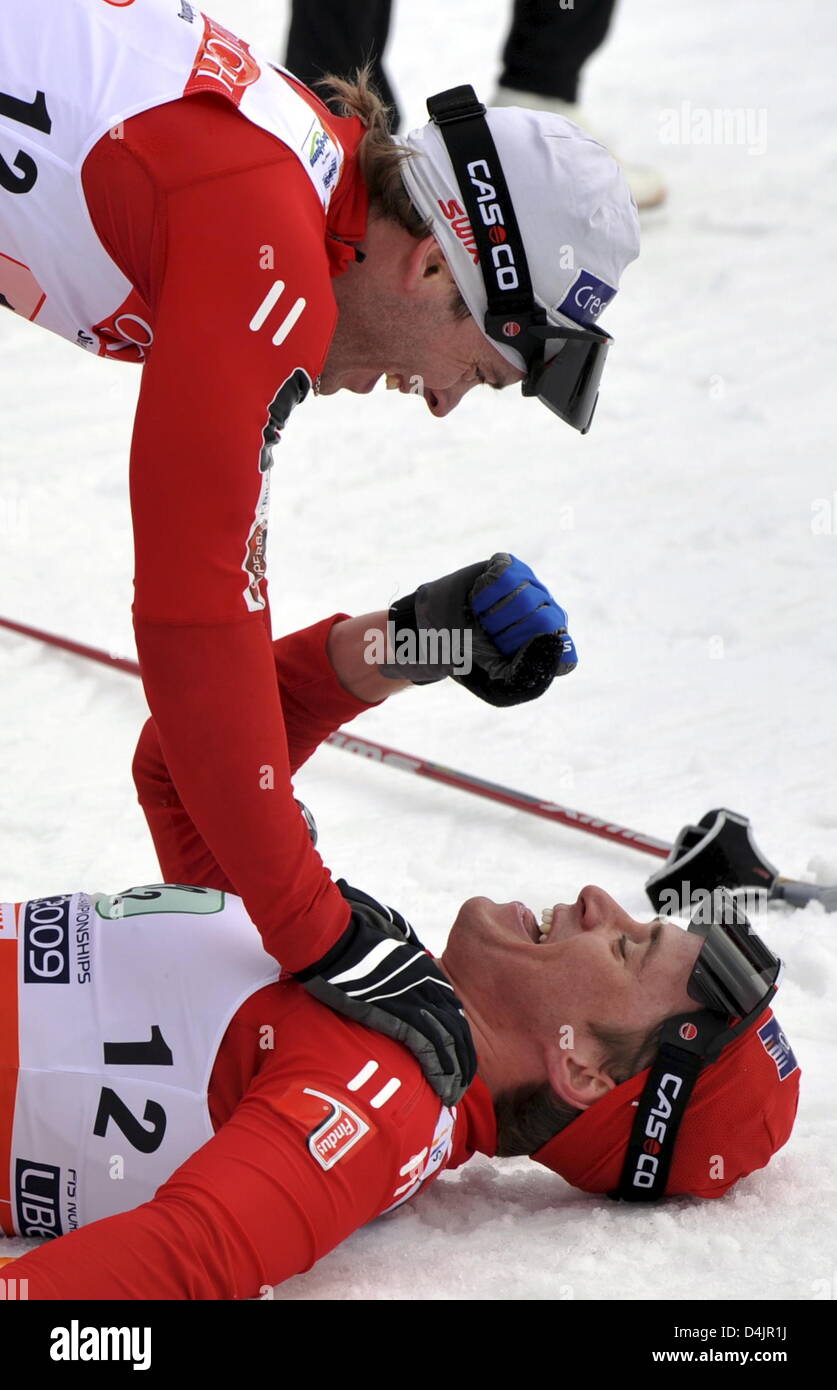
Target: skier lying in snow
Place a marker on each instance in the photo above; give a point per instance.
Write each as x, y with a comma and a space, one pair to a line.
194, 1125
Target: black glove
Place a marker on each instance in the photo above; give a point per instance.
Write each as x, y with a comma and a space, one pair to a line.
494, 627
380, 975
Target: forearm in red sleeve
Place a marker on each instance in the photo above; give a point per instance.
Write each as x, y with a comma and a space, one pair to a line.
196, 486
223, 743
314, 704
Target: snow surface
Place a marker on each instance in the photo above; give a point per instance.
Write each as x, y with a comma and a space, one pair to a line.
693, 537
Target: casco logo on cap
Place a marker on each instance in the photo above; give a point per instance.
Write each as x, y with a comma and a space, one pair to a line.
502, 257
656, 1127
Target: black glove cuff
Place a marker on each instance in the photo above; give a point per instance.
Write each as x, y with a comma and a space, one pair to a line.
402, 615
403, 623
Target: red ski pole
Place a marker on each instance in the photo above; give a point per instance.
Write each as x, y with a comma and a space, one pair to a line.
422, 767
732, 846
507, 796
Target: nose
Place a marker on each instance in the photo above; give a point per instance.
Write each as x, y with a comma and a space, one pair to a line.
599, 909
596, 907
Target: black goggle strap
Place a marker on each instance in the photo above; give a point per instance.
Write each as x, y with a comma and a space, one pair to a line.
502, 258
688, 1043
663, 1103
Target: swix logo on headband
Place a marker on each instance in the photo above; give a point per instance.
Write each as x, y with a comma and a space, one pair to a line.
655, 1128
586, 298
502, 256
460, 224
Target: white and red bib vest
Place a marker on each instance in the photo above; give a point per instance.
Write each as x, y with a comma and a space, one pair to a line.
71, 71
121, 1006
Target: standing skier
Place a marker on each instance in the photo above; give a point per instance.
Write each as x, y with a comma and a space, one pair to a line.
168, 198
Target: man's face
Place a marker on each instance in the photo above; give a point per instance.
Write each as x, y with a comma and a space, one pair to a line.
397, 319
597, 965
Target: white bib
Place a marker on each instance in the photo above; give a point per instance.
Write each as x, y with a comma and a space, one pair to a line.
72, 70
123, 1003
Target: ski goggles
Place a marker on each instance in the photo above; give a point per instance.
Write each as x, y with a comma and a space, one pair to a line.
734, 980
564, 365
568, 382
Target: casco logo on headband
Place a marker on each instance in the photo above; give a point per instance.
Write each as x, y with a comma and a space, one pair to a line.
502, 256
655, 1128
586, 299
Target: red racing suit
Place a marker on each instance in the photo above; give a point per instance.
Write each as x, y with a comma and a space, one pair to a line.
188, 202
256, 1205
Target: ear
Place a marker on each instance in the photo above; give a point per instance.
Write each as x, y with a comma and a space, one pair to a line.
575, 1078
426, 268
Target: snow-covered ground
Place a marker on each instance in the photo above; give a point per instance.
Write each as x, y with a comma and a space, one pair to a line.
693, 537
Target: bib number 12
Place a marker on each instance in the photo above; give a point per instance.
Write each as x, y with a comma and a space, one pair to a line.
35, 115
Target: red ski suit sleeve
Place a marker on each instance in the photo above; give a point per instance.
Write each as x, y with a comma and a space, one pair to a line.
205, 213
314, 704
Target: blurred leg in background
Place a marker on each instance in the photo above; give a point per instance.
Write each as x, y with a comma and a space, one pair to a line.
547, 47
545, 52
338, 36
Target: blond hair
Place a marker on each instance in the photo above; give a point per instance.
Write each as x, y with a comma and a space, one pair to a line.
379, 156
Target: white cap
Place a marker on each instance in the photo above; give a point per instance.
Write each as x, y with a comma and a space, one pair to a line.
576, 215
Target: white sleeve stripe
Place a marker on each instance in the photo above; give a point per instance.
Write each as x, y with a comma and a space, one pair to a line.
367, 1070
385, 1093
391, 976
368, 963
393, 994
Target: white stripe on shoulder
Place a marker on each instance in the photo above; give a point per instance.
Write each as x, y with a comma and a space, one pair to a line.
386, 1093
367, 1070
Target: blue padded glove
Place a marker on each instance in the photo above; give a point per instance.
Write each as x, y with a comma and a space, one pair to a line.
500, 616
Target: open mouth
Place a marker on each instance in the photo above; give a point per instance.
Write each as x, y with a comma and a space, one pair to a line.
533, 930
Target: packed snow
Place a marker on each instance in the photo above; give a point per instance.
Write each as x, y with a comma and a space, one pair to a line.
693, 537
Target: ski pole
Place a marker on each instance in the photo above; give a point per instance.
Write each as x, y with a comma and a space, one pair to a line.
507, 796
422, 767
719, 849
